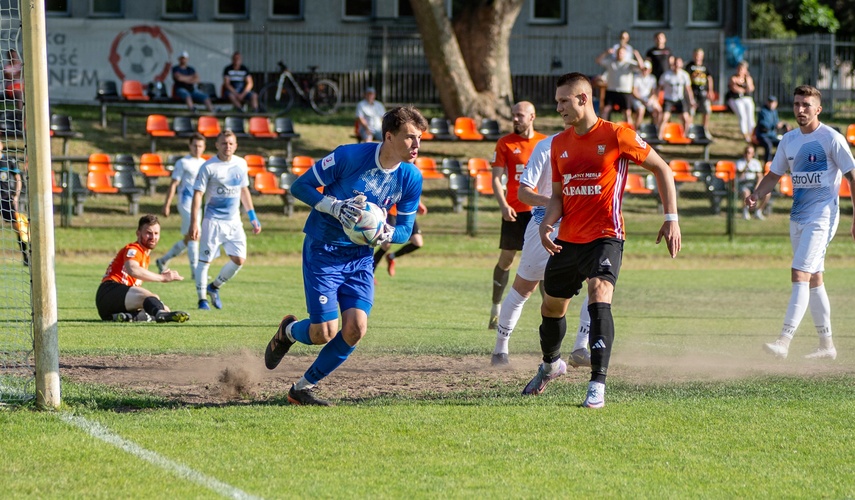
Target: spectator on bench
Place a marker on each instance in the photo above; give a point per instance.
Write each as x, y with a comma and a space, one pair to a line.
238, 84
369, 112
13, 77
186, 78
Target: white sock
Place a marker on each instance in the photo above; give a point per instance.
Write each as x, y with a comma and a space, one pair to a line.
226, 273
509, 315
193, 256
303, 384
175, 251
796, 309
551, 367
584, 327
820, 309
202, 279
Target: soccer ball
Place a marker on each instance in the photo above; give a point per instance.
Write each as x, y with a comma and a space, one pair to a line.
368, 226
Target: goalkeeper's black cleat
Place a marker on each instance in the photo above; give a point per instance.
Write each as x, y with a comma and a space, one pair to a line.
306, 397
279, 345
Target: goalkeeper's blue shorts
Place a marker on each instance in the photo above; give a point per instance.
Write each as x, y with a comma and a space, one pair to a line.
336, 277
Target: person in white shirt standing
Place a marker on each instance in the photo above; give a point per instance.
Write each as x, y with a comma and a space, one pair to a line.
183, 179
676, 84
369, 113
817, 157
619, 75
644, 90
224, 182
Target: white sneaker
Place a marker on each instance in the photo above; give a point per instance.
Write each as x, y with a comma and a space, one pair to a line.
759, 215
596, 397
776, 348
823, 353
745, 214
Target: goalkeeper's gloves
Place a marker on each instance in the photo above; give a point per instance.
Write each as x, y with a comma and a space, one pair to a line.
385, 234
346, 211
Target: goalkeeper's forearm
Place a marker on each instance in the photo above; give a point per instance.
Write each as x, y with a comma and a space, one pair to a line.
306, 192
403, 228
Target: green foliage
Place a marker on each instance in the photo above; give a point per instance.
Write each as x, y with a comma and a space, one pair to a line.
766, 22
817, 17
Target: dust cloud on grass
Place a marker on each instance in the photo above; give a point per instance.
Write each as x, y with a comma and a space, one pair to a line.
243, 378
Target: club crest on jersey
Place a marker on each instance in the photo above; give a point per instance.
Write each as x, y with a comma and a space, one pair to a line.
328, 161
812, 158
601, 149
323, 299
641, 142
132, 252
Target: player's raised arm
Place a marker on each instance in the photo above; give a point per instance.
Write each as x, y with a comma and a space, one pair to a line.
670, 229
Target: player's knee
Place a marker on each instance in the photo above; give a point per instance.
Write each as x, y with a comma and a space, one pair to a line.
322, 333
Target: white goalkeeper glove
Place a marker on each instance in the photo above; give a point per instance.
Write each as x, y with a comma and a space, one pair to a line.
346, 211
385, 234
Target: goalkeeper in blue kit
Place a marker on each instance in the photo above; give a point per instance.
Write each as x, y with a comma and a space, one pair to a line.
337, 273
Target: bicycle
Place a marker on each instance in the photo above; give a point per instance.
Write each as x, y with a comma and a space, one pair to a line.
322, 94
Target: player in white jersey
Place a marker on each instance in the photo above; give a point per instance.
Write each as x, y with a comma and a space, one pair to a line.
224, 182
183, 179
535, 190
816, 156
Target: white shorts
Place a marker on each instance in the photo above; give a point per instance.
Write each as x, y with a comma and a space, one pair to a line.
184, 211
810, 242
533, 257
216, 232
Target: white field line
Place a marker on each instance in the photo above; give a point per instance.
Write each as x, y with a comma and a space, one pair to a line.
98, 431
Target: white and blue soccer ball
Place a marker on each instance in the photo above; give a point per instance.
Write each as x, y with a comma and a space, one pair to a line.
368, 226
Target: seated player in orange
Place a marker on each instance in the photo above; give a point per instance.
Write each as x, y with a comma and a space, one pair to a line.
121, 297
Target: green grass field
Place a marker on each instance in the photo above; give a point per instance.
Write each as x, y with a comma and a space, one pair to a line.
694, 409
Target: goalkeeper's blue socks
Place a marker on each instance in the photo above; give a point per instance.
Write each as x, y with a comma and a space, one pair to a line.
299, 331
331, 357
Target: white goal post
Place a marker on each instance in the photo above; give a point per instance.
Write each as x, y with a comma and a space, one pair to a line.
38, 156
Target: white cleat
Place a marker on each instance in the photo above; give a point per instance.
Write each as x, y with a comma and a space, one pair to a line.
823, 353
596, 397
776, 348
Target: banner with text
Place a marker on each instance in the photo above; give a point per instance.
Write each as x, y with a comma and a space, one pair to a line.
81, 52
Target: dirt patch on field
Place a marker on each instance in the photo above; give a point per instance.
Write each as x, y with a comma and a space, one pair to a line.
242, 378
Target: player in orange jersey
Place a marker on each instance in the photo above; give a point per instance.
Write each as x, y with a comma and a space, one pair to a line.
509, 159
121, 297
589, 166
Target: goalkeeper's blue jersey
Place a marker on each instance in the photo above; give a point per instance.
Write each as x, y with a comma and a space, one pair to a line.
352, 170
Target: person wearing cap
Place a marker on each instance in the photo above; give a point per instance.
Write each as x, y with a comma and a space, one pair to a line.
768, 124
369, 114
646, 97
186, 78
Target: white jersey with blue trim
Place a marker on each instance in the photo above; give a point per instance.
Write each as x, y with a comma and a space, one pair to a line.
186, 170
222, 182
538, 174
816, 162
355, 169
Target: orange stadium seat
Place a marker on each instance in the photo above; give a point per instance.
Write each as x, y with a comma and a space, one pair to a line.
786, 185
850, 134
466, 129
682, 171
484, 182
100, 162
266, 183
725, 170
132, 90
99, 182
427, 166
845, 190
54, 187
256, 164
673, 133
300, 164
209, 126
635, 185
259, 126
477, 165
158, 126
151, 165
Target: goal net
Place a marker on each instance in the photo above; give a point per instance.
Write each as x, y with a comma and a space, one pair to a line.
17, 373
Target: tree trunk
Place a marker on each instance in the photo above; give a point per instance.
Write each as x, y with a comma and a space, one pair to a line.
470, 62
